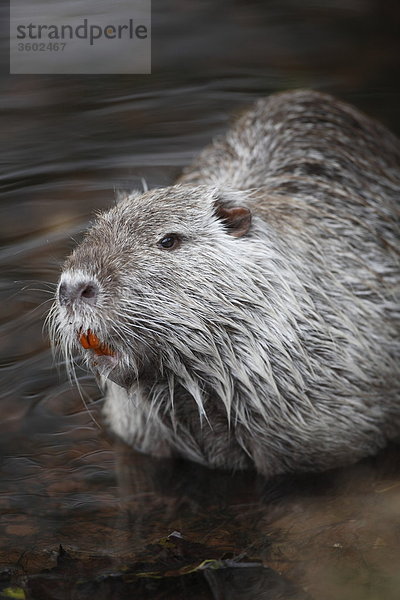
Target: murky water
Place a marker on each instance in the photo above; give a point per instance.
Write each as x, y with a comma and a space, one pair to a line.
68, 143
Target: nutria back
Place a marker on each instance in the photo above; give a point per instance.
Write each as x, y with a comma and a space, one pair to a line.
249, 315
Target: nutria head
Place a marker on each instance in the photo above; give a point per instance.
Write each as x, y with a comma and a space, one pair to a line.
146, 284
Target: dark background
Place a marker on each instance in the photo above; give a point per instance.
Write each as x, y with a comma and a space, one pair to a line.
68, 143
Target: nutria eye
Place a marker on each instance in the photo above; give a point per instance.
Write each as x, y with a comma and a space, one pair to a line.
169, 242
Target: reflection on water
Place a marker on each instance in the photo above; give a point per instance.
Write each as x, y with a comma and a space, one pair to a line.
69, 142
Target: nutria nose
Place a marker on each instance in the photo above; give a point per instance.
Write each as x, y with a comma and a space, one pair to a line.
85, 292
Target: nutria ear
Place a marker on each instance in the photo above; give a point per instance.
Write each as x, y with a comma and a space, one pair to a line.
237, 219
121, 195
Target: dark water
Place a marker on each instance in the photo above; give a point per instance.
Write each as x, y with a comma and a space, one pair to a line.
68, 143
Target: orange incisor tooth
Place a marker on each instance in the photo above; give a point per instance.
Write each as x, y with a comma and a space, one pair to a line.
84, 341
106, 350
90, 341
94, 341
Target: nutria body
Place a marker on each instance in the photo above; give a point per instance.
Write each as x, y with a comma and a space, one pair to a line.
249, 314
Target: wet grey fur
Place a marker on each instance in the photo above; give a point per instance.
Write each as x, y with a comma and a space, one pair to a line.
277, 347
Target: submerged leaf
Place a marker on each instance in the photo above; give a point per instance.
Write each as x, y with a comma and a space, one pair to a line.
16, 593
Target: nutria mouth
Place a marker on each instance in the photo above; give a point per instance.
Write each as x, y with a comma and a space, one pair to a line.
90, 341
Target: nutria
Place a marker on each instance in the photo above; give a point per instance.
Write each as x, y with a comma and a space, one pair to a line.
248, 316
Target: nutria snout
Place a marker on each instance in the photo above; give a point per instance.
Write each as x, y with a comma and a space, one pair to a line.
249, 314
